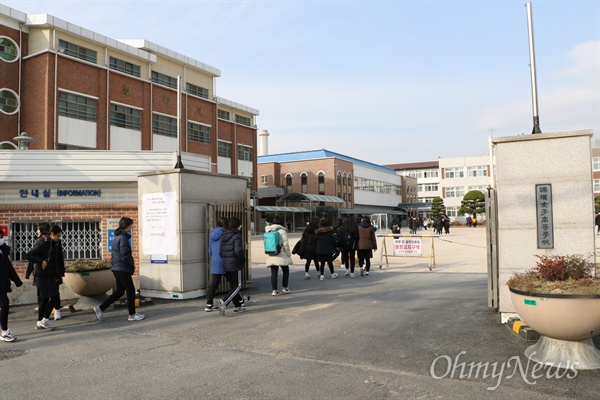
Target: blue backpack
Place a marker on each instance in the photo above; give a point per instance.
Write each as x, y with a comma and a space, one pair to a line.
272, 242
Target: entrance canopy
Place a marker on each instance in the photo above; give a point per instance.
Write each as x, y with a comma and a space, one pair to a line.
281, 209
305, 197
361, 211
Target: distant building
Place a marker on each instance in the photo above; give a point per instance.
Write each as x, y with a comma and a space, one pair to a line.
354, 186
70, 88
449, 178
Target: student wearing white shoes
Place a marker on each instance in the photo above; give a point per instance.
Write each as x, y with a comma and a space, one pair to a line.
233, 255
282, 260
45, 257
7, 274
123, 267
366, 243
216, 263
326, 245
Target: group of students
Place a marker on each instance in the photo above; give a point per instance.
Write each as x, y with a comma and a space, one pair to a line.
47, 266
321, 243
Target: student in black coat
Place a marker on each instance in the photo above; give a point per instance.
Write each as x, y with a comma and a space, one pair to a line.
309, 248
326, 245
234, 257
45, 258
7, 274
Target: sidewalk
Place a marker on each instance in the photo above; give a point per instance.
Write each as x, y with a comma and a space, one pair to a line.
376, 337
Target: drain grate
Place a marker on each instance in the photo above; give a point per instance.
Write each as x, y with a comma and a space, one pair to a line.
12, 353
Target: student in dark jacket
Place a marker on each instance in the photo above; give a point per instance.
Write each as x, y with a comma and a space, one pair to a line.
60, 269
123, 267
45, 258
326, 245
310, 247
233, 255
7, 274
365, 245
347, 237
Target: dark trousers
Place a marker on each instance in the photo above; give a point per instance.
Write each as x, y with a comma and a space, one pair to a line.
124, 284
45, 307
348, 257
364, 259
307, 265
234, 278
322, 266
4, 306
285, 269
215, 280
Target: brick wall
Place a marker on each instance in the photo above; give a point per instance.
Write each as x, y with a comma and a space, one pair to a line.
73, 212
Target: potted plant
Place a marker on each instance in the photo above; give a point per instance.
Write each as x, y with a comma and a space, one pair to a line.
560, 299
90, 279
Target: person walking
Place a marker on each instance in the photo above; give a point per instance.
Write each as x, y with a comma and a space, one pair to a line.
347, 237
310, 247
597, 222
7, 274
282, 260
123, 267
42, 232
60, 269
45, 258
216, 263
365, 245
234, 256
325, 246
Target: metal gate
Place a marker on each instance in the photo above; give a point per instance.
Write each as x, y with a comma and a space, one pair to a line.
241, 210
491, 226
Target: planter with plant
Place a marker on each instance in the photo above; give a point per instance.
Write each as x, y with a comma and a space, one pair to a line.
560, 299
90, 279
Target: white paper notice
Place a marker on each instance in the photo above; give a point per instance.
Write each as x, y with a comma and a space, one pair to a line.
160, 228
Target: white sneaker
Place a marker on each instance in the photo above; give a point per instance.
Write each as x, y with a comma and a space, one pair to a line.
306, 275
322, 278
44, 324
57, 315
366, 273
136, 317
275, 293
286, 291
7, 336
352, 275
334, 275
347, 273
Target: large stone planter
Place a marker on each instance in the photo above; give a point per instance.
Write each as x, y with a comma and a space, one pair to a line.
566, 324
91, 286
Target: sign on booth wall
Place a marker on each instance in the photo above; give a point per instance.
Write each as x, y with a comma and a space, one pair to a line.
159, 236
407, 246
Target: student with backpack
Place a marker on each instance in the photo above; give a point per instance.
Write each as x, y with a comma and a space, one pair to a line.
279, 255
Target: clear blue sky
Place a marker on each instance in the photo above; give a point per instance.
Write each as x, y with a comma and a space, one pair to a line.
383, 81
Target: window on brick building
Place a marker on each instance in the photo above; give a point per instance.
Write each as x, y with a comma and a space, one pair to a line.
125, 117
304, 182
196, 90
74, 50
223, 149
243, 120
9, 50
163, 125
198, 133
244, 153
76, 106
221, 114
288, 183
80, 239
124, 66
163, 79
9, 101
321, 177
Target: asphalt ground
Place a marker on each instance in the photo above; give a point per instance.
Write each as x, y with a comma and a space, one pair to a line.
404, 332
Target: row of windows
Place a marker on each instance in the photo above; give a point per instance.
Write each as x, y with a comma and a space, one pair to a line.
304, 182
596, 163
472, 171
163, 125
424, 173
196, 90
428, 187
372, 185
456, 191
163, 79
453, 173
80, 239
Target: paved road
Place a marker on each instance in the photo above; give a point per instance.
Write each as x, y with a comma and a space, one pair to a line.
381, 337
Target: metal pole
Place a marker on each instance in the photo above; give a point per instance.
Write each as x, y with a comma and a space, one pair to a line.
536, 118
179, 164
